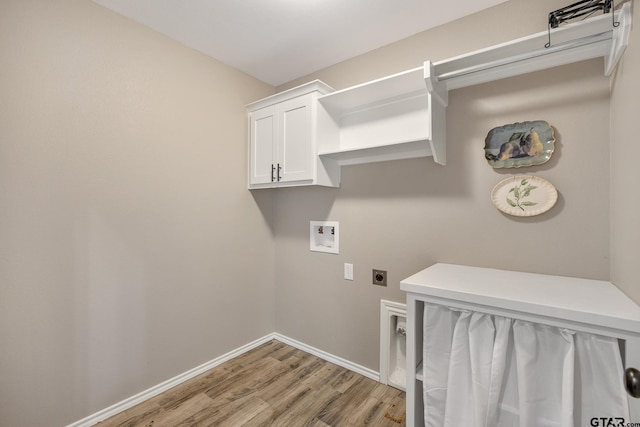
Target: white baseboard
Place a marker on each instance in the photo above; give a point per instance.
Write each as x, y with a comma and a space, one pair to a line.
369, 373
179, 379
166, 385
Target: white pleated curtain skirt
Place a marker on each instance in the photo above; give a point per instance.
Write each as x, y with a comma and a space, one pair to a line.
487, 370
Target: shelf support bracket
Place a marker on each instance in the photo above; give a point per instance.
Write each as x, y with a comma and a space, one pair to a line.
438, 101
619, 39
436, 88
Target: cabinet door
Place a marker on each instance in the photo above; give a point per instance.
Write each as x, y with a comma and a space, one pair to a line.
263, 129
295, 142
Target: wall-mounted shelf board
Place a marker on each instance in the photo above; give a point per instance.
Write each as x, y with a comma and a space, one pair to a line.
601, 308
375, 93
385, 119
592, 38
395, 151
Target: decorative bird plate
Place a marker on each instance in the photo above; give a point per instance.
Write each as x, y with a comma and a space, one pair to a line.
519, 144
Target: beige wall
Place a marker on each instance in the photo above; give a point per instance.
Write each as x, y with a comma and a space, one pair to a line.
625, 172
405, 215
130, 249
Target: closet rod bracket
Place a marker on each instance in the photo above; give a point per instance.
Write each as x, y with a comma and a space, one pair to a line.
576, 10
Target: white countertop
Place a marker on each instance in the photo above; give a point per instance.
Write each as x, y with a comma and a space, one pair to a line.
593, 302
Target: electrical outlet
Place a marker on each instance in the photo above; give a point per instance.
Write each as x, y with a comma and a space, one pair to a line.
348, 271
379, 277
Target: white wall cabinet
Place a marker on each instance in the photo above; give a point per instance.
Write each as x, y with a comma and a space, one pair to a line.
282, 140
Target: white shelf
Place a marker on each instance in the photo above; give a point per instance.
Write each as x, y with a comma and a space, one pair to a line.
592, 38
596, 303
395, 151
385, 119
375, 93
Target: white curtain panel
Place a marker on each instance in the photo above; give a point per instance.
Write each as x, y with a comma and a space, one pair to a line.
485, 370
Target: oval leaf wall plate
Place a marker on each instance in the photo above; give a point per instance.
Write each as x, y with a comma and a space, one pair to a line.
524, 195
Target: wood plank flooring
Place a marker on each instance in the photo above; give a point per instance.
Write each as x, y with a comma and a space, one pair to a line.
271, 385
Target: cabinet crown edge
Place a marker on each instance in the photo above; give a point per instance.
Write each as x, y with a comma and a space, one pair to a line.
317, 86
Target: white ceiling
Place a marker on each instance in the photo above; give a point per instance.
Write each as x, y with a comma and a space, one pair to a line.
277, 41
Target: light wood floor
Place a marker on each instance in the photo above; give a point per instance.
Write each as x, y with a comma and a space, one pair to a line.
271, 385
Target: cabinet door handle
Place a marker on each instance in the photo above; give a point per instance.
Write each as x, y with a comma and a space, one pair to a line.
273, 169
279, 169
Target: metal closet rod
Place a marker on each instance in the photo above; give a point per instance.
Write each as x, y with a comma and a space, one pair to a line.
585, 41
